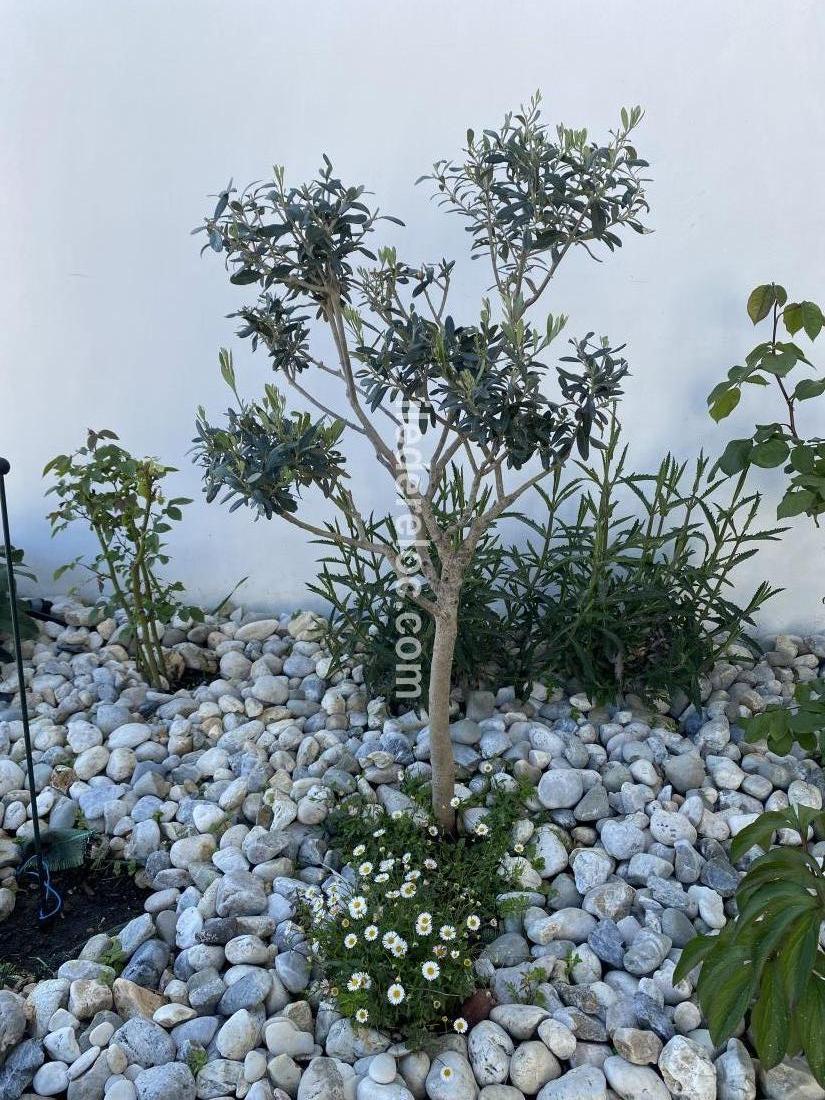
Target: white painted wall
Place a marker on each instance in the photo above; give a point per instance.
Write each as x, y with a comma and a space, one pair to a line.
118, 119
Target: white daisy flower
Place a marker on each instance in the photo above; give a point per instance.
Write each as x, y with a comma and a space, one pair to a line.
386, 865
424, 924
378, 832
447, 932
486, 767
473, 922
365, 869
383, 877
408, 890
350, 940
396, 994
359, 980
430, 970
454, 954
432, 830
455, 802
359, 850
399, 948
370, 933
446, 1073
388, 939
357, 907
518, 848
430, 864
460, 1025
362, 1016
397, 815
481, 829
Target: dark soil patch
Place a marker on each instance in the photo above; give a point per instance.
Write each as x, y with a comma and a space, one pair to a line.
192, 678
95, 900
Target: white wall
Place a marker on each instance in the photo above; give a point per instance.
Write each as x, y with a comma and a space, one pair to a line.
118, 119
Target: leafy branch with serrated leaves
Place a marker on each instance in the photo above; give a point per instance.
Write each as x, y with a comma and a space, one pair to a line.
773, 362
781, 443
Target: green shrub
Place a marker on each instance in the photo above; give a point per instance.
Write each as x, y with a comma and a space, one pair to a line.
396, 935
120, 498
623, 586
28, 629
768, 963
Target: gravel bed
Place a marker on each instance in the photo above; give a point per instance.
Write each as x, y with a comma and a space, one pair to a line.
218, 794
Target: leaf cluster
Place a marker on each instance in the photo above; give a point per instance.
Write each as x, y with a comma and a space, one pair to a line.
802, 722
530, 193
767, 962
263, 456
773, 362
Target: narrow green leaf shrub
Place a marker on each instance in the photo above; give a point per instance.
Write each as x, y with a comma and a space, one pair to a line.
624, 585
768, 963
396, 935
120, 498
27, 626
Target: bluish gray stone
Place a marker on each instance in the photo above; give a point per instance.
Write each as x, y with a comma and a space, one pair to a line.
17, 1072
294, 970
607, 942
147, 964
170, 1082
145, 1042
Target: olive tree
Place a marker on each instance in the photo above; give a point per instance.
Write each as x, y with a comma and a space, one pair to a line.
407, 371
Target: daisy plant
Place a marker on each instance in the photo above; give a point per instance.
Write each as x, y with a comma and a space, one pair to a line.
396, 933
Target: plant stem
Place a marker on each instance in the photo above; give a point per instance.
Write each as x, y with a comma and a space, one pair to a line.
441, 749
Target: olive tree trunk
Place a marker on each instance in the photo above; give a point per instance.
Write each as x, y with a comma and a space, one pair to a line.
441, 748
